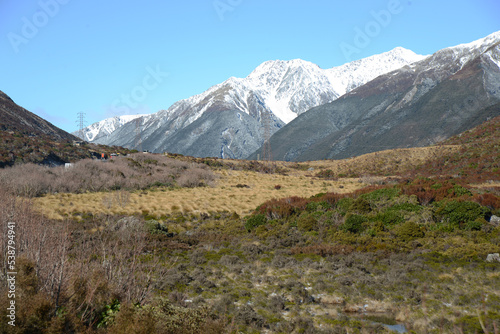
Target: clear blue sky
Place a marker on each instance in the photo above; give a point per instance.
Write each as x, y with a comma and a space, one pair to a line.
61, 57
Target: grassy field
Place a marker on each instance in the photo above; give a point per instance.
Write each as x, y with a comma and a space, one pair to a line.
235, 191
241, 191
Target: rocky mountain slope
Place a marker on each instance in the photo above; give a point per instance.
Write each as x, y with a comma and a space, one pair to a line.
104, 128
14, 118
227, 119
417, 105
26, 137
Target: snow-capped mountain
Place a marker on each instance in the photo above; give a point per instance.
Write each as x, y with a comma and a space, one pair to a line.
105, 127
425, 102
281, 89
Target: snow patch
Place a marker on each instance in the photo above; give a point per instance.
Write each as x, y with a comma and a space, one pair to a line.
494, 60
107, 126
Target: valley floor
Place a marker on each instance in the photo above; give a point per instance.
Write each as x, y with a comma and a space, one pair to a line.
241, 191
220, 246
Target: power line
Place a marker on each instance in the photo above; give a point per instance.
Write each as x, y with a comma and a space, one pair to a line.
81, 125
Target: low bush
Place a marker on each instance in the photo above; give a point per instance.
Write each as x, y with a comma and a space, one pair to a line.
307, 222
490, 201
459, 214
324, 250
247, 315
132, 173
381, 194
155, 227
389, 217
317, 206
283, 208
408, 207
343, 205
255, 221
476, 225
163, 317
428, 190
409, 231
360, 205
353, 223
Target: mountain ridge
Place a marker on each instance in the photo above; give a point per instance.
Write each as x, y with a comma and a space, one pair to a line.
416, 105
15, 118
276, 89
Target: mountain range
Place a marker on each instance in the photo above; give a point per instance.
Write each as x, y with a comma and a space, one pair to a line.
395, 99
228, 120
419, 104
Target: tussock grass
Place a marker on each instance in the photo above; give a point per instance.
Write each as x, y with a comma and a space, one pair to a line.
241, 191
224, 196
389, 162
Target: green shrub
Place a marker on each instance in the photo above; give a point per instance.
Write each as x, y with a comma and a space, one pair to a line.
317, 206
360, 205
254, 221
409, 207
354, 223
155, 227
436, 186
343, 205
409, 231
460, 191
459, 214
382, 194
470, 323
307, 222
389, 217
476, 225
108, 314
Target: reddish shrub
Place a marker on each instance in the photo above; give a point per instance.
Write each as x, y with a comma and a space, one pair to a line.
430, 190
283, 208
489, 200
330, 198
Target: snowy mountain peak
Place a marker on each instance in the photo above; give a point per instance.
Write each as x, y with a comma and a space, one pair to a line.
282, 89
278, 66
481, 44
228, 119
107, 126
461, 54
351, 75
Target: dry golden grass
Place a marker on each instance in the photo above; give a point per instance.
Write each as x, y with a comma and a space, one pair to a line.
491, 184
225, 196
385, 162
